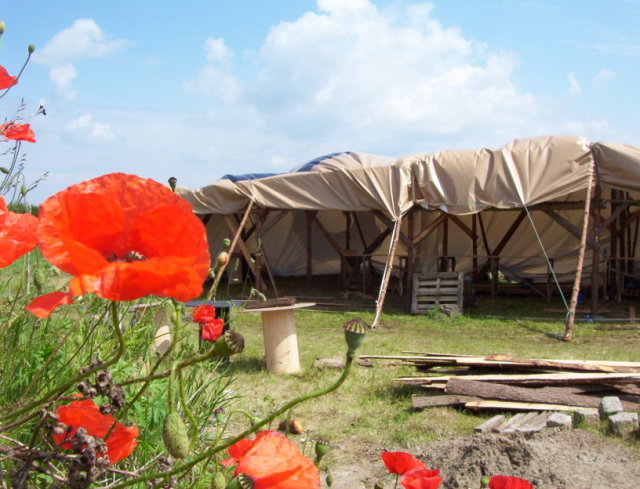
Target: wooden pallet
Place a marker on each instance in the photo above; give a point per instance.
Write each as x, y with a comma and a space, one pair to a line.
435, 290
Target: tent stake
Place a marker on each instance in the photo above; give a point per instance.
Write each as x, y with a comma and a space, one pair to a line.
568, 332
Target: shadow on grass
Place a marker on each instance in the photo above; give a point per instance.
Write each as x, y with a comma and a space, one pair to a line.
247, 365
395, 392
531, 327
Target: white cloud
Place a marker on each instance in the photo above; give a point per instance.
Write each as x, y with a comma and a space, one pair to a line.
84, 128
603, 76
62, 76
574, 87
83, 40
217, 51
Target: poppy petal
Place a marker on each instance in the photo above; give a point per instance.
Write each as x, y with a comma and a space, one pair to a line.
421, 479
212, 331
203, 313
274, 462
87, 415
401, 462
237, 451
44, 305
17, 132
6, 80
508, 482
124, 237
17, 234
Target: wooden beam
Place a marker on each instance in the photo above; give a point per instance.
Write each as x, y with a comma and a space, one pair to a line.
387, 271
334, 244
504, 241
428, 230
234, 228
468, 231
390, 224
569, 226
309, 249
573, 304
377, 241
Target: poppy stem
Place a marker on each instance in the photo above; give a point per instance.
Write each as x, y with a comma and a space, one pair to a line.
252, 429
17, 76
396, 484
185, 406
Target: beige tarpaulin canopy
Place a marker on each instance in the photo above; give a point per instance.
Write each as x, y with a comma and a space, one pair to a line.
377, 191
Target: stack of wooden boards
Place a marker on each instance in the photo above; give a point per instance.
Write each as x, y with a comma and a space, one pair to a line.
519, 384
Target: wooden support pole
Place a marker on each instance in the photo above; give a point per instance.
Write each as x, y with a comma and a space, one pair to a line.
395, 236
309, 215
236, 239
411, 256
474, 244
595, 254
568, 332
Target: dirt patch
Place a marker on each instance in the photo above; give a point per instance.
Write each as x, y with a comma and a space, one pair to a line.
550, 459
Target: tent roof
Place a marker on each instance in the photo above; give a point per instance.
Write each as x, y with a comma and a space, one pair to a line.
523, 172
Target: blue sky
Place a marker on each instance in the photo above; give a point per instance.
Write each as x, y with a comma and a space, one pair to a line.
198, 89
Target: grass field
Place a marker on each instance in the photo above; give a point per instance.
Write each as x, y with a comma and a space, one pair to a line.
370, 409
368, 413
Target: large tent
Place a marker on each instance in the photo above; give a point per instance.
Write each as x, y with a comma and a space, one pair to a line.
519, 210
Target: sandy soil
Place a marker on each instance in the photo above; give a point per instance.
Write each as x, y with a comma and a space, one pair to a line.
550, 459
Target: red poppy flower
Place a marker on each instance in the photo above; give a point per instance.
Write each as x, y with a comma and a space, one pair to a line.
17, 234
273, 462
421, 479
401, 462
508, 482
123, 237
6, 80
17, 132
87, 415
212, 330
203, 313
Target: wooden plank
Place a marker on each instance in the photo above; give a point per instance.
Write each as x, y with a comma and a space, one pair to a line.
489, 390
538, 422
438, 401
552, 378
516, 421
564, 364
490, 424
518, 406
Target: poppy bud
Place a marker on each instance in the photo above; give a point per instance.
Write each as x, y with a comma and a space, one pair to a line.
230, 343
354, 331
4, 170
321, 448
39, 279
226, 242
223, 258
218, 481
242, 481
23, 190
484, 482
31, 48
378, 485
174, 434
173, 181
1, 27
329, 479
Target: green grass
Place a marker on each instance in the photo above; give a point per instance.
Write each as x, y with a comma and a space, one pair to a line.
368, 413
370, 409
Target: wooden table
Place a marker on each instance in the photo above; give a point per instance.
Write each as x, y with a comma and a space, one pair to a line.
280, 338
